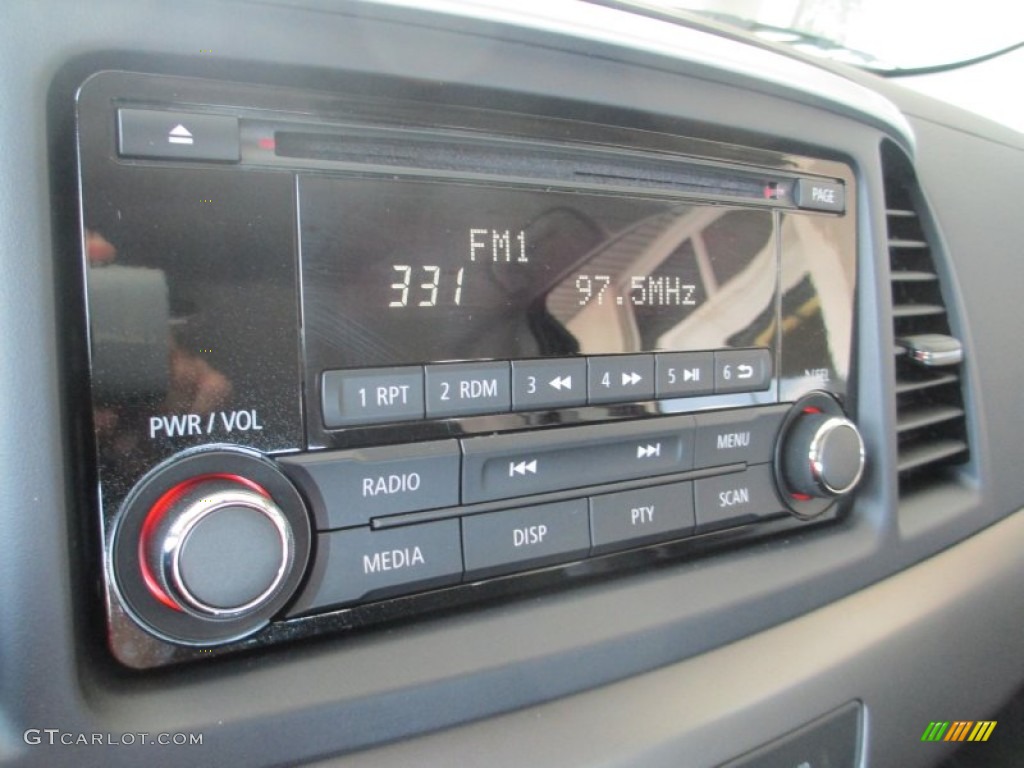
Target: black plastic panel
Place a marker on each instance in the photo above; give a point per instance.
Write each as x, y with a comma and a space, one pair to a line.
598, 251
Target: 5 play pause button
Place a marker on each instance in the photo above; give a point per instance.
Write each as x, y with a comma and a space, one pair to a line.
540, 384
685, 373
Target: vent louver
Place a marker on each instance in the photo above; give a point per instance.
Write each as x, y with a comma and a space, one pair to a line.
931, 425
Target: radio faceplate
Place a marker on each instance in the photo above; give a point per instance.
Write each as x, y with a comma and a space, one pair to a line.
405, 352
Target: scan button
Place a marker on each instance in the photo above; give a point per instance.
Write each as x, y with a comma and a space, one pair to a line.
736, 499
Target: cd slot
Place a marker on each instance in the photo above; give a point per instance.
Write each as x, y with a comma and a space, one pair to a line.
486, 157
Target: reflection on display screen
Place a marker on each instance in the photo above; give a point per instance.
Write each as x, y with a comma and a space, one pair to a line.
398, 272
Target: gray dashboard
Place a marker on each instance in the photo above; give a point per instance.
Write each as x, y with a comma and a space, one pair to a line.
909, 605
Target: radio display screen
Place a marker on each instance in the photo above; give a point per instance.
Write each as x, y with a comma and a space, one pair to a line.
406, 271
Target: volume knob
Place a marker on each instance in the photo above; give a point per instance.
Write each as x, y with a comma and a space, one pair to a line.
216, 546
823, 455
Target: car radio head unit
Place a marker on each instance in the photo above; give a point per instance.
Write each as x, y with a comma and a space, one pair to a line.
352, 360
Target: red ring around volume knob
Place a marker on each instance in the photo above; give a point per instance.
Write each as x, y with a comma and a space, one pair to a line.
156, 515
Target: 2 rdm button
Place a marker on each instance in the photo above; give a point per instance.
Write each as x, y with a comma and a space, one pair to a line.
468, 388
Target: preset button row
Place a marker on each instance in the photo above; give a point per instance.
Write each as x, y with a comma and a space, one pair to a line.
362, 565
409, 393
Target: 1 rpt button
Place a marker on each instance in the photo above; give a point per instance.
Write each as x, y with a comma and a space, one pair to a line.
372, 396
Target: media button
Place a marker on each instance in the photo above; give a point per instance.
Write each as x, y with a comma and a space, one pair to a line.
371, 396
682, 374
742, 370
617, 378
737, 498
524, 538
747, 435
467, 388
347, 488
360, 565
632, 518
538, 384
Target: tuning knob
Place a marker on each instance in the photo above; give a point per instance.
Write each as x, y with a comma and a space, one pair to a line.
824, 456
215, 546
820, 456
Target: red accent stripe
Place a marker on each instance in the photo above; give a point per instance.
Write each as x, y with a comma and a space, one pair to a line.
800, 496
267, 143
156, 514
812, 409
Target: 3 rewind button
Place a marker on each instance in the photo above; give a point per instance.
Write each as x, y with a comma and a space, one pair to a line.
540, 384
561, 382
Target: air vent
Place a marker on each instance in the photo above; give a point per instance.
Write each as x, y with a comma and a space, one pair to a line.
931, 426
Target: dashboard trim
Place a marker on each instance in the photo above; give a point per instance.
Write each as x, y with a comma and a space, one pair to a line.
636, 32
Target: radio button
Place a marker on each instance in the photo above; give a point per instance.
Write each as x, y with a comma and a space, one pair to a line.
682, 374
742, 370
538, 384
617, 378
632, 518
727, 437
361, 565
468, 388
371, 396
347, 488
529, 537
504, 466
736, 498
